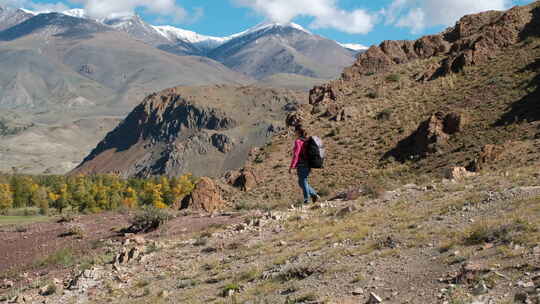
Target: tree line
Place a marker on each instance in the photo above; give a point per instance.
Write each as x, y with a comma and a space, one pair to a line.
91, 194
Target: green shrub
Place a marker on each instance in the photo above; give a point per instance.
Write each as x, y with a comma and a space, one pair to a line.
393, 78
149, 219
64, 257
230, 289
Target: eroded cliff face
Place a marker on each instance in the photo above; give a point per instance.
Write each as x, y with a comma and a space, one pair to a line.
201, 130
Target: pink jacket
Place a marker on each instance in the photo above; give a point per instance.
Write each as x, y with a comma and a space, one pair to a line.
297, 153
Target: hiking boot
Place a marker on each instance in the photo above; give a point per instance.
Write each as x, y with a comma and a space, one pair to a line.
316, 198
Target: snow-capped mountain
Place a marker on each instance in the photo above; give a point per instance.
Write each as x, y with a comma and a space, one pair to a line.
174, 34
10, 17
137, 28
354, 47
260, 51
276, 48
77, 13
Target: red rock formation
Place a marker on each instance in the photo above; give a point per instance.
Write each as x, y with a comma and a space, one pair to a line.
205, 197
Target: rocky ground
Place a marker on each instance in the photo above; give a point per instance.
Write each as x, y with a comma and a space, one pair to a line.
475, 240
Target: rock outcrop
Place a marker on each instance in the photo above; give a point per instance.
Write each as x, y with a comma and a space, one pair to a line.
205, 197
389, 53
431, 136
205, 131
473, 40
244, 179
488, 156
458, 173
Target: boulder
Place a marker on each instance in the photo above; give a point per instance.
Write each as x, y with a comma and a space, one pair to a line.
458, 173
246, 180
205, 197
322, 94
348, 113
489, 155
372, 61
454, 123
430, 135
332, 111
293, 119
470, 272
374, 299
432, 45
222, 142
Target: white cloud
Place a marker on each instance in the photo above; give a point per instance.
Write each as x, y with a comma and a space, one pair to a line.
326, 14
108, 8
35, 6
419, 14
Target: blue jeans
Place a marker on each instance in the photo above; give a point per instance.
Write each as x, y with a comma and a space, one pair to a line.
303, 174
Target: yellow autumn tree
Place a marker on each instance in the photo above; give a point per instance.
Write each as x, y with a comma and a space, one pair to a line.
6, 198
157, 197
40, 199
182, 187
130, 198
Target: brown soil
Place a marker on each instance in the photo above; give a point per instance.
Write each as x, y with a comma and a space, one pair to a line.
24, 254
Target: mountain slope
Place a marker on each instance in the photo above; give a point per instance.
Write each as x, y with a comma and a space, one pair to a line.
10, 17
401, 115
53, 24
276, 48
60, 68
56, 58
201, 130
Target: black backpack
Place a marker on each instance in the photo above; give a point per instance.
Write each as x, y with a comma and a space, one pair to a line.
315, 152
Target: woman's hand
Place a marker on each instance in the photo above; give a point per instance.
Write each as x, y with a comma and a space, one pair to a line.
290, 170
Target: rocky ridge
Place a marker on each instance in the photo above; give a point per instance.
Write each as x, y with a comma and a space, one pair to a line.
474, 40
201, 130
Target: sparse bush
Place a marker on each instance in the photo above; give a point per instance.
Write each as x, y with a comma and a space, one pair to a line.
21, 229
250, 274
149, 219
384, 115
306, 298
393, 78
66, 218
373, 190
230, 289
30, 212
64, 257
298, 272
372, 95
76, 230
185, 283
48, 289
202, 241
497, 232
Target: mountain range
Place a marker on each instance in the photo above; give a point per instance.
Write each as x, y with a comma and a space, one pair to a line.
59, 68
77, 60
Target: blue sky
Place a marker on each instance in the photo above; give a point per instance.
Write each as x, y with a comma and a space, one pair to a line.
365, 22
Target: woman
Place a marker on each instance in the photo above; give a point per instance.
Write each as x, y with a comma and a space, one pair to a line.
299, 162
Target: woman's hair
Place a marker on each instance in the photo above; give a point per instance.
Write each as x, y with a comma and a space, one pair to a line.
301, 131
